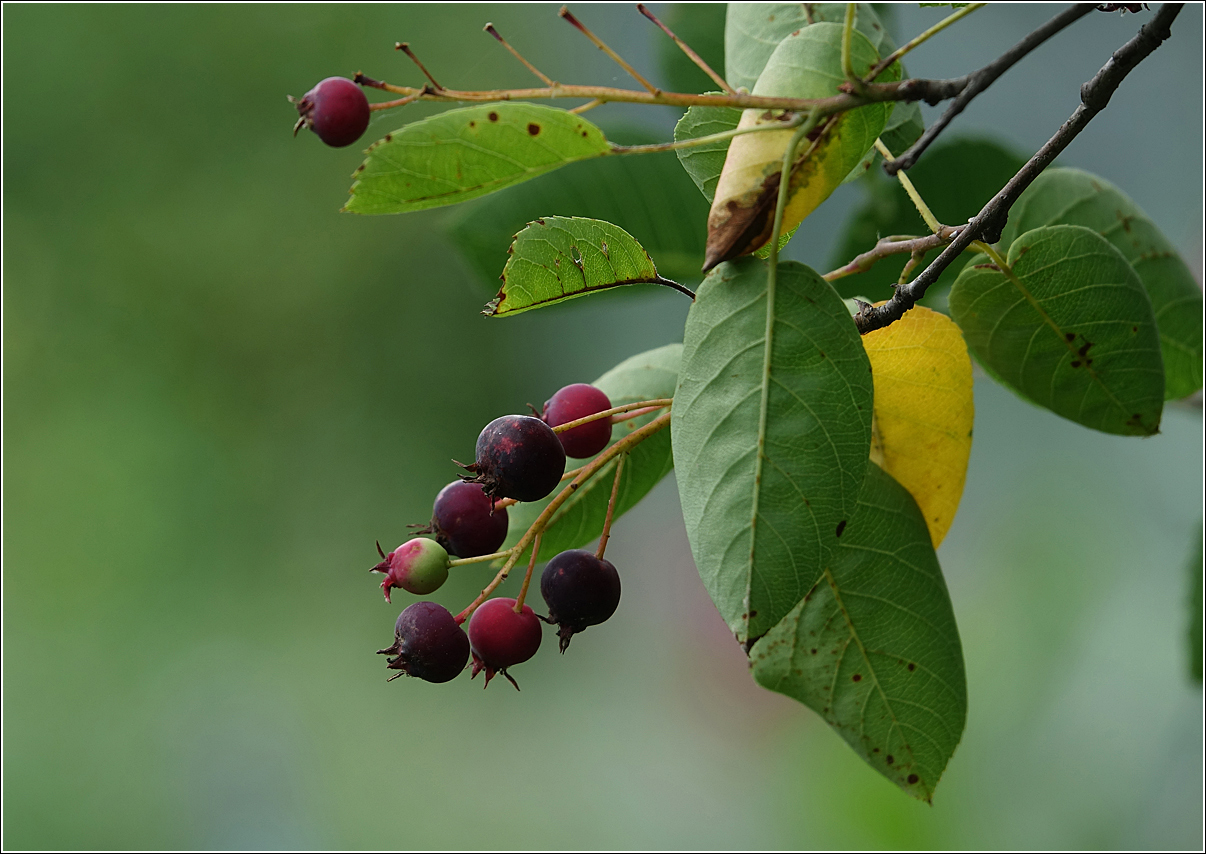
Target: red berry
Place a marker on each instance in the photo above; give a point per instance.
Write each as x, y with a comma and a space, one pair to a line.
465, 522
418, 566
581, 590
578, 401
500, 638
518, 457
336, 110
427, 643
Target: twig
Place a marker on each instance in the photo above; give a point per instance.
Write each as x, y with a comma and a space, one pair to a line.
529, 66
685, 48
987, 225
527, 578
385, 105
598, 42
405, 48
611, 508
964, 89
927, 215
647, 405
887, 246
589, 105
879, 67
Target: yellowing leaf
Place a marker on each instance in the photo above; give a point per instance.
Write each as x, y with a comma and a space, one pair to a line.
922, 432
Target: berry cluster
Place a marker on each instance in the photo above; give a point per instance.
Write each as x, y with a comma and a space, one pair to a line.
518, 458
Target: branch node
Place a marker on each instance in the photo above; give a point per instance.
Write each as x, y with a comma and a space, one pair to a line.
405, 48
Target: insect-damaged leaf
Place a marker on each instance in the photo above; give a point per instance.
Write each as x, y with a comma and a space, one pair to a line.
806, 64
558, 258
1068, 326
872, 646
462, 154
923, 411
758, 538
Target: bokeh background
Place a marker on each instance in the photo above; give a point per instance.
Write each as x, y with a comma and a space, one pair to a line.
219, 391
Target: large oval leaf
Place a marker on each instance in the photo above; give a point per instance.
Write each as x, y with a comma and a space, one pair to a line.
645, 376
758, 540
1075, 197
1069, 327
923, 411
704, 163
873, 647
806, 64
462, 154
558, 258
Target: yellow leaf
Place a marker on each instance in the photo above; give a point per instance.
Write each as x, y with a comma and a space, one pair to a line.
922, 428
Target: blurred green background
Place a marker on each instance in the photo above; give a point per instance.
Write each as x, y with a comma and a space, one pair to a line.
218, 391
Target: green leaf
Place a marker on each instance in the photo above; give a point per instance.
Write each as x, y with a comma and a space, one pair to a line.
1070, 328
558, 258
645, 376
1194, 568
700, 25
905, 126
1074, 197
757, 541
873, 648
704, 163
462, 154
633, 192
753, 31
956, 179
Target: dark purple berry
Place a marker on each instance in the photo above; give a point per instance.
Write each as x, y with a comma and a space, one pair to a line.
501, 638
428, 644
571, 403
465, 522
518, 457
336, 110
418, 566
581, 590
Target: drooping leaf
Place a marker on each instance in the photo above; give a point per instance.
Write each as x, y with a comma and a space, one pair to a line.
758, 538
647, 195
956, 179
1075, 197
462, 154
700, 25
1069, 327
873, 647
704, 163
1194, 568
806, 64
645, 376
754, 30
923, 411
558, 258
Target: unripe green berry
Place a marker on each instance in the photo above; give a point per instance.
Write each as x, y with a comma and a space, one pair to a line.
418, 566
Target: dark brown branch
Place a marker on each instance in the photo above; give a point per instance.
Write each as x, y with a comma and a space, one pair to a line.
964, 89
989, 223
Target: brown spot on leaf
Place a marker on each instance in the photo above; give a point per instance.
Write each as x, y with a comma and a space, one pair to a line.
912, 778
986, 267
856, 677
472, 124
1076, 363
889, 759
1070, 336
533, 128
1084, 349
493, 116
841, 526
814, 652
389, 137
912, 666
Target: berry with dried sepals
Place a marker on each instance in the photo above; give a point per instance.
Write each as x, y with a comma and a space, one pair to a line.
518, 457
581, 590
428, 644
336, 110
500, 638
465, 521
571, 403
418, 566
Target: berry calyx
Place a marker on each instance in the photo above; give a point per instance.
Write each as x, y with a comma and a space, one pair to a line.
518, 457
500, 638
336, 109
418, 566
571, 403
428, 644
581, 590
465, 521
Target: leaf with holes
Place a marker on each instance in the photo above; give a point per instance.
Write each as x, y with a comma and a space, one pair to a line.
462, 154
759, 532
558, 258
922, 433
1073, 197
645, 376
873, 647
1069, 327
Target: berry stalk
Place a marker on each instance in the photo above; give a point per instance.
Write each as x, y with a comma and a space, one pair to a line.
527, 578
647, 405
611, 507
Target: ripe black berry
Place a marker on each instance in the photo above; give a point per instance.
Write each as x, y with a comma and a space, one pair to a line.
336, 110
418, 566
581, 590
518, 457
465, 522
428, 644
571, 403
500, 638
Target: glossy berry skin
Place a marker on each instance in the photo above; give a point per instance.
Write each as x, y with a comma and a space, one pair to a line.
336, 110
571, 403
500, 638
428, 644
581, 590
465, 522
418, 566
518, 457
